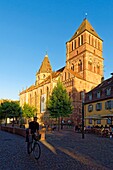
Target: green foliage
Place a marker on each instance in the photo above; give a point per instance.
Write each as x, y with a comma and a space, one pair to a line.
59, 104
28, 111
10, 109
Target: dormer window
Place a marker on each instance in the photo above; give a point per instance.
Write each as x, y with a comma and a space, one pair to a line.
98, 94
90, 96
108, 91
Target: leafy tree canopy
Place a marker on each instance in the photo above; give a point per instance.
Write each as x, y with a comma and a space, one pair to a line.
59, 104
10, 109
28, 111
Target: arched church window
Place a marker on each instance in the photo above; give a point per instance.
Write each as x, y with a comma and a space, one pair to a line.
95, 43
40, 92
72, 46
75, 44
98, 45
30, 100
43, 75
47, 93
90, 64
80, 66
89, 39
72, 67
92, 42
78, 41
94, 69
81, 39
68, 75
98, 69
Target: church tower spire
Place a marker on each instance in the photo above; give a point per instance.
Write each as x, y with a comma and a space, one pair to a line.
84, 53
44, 71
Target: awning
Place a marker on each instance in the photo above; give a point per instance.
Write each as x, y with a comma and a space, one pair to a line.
107, 116
94, 117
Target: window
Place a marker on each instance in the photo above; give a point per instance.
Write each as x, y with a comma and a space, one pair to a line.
72, 46
90, 96
78, 41
80, 66
72, 67
92, 41
99, 106
99, 121
30, 100
90, 66
43, 75
109, 121
68, 75
94, 69
81, 39
75, 43
89, 39
90, 121
98, 94
90, 108
65, 75
108, 91
47, 93
96, 43
98, 70
109, 104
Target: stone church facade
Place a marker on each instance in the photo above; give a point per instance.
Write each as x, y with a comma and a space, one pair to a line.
83, 71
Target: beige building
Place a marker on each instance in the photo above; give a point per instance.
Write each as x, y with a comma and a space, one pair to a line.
99, 104
83, 71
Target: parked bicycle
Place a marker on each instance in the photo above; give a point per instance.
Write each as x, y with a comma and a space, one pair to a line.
34, 146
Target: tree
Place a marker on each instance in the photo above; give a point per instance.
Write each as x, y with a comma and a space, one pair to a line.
10, 109
28, 111
59, 103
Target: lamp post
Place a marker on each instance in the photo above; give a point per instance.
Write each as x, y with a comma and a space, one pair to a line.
83, 96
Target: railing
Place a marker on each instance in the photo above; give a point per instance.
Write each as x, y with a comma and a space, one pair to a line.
21, 131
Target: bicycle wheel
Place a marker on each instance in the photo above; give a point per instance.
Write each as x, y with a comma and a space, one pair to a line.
29, 147
36, 150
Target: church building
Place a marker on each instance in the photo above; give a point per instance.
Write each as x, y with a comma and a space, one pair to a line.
82, 72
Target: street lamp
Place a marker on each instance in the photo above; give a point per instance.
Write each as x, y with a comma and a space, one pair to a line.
83, 97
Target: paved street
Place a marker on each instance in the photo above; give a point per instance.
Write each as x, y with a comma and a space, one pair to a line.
61, 151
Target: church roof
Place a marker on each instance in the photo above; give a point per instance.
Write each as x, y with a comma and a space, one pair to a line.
85, 26
75, 73
45, 66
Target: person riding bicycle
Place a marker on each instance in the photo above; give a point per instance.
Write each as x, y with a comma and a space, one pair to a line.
33, 128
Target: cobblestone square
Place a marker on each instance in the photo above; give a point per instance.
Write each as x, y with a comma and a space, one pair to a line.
62, 150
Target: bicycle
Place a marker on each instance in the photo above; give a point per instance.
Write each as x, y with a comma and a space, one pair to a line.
34, 146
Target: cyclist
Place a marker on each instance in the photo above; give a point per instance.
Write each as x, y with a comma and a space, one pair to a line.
33, 129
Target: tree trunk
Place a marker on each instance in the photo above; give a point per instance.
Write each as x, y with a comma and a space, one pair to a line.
58, 123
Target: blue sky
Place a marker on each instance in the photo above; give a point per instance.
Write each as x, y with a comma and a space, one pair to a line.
29, 28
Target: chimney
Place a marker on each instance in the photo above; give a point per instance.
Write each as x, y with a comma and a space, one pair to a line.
112, 74
102, 79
